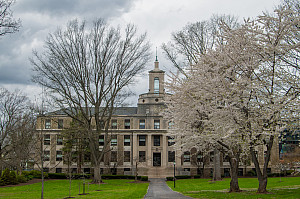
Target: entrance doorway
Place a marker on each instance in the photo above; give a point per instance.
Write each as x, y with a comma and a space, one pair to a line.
156, 159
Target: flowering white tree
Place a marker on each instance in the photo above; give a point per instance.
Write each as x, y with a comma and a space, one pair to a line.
236, 94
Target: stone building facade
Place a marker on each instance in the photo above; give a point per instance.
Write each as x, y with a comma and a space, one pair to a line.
139, 141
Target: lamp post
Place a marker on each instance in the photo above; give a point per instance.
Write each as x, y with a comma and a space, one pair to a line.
174, 172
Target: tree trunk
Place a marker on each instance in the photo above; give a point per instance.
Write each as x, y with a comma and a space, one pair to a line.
234, 183
136, 171
97, 175
217, 166
262, 187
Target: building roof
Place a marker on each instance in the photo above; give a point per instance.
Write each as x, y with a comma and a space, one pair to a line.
117, 111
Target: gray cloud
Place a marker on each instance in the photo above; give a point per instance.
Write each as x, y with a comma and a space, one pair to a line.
39, 18
103, 8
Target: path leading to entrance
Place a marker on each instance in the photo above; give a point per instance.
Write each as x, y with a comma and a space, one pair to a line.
158, 189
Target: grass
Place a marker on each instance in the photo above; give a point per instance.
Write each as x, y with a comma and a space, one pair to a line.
112, 189
204, 188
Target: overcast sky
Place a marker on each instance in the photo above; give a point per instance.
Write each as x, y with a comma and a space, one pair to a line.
159, 18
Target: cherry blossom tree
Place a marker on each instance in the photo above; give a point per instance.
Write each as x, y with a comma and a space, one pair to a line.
237, 93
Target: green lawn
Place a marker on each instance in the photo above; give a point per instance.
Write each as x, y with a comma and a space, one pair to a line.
204, 188
60, 189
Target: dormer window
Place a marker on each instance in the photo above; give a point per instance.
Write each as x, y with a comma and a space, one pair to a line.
156, 85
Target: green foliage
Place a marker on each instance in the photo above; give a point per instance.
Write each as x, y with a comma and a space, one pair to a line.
13, 177
21, 179
57, 175
170, 178
251, 173
36, 174
4, 179
27, 175
144, 178
183, 177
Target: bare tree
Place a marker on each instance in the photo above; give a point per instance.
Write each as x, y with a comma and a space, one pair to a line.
195, 39
7, 23
16, 128
86, 72
21, 142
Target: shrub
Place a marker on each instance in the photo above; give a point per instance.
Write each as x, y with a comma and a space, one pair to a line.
4, 179
251, 173
119, 177
170, 178
57, 175
21, 179
13, 178
197, 176
183, 177
144, 178
37, 174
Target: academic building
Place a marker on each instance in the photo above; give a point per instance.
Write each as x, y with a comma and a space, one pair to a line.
138, 140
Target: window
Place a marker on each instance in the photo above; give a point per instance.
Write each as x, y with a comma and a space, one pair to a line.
171, 141
156, 85
114, 124
199, 157
126, 156
59, 140
46, 155
101, 140
48, 124
113, 171
58, 170
127, 169
186, 169
142, 156
171, 156
113, 156
60, 123
156, 124
126, 140
142, 140
127, 124
87, 170
186, 156
59, 156
142, 124
156, 140
47, 139
113, 141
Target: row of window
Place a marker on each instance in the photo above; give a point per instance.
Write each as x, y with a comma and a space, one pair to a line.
114, 140
59, 139
113, 156
114, 124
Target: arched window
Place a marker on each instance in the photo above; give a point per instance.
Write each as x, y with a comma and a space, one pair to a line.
156, 85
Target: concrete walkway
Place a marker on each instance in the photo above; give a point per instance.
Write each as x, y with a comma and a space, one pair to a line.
158, 189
